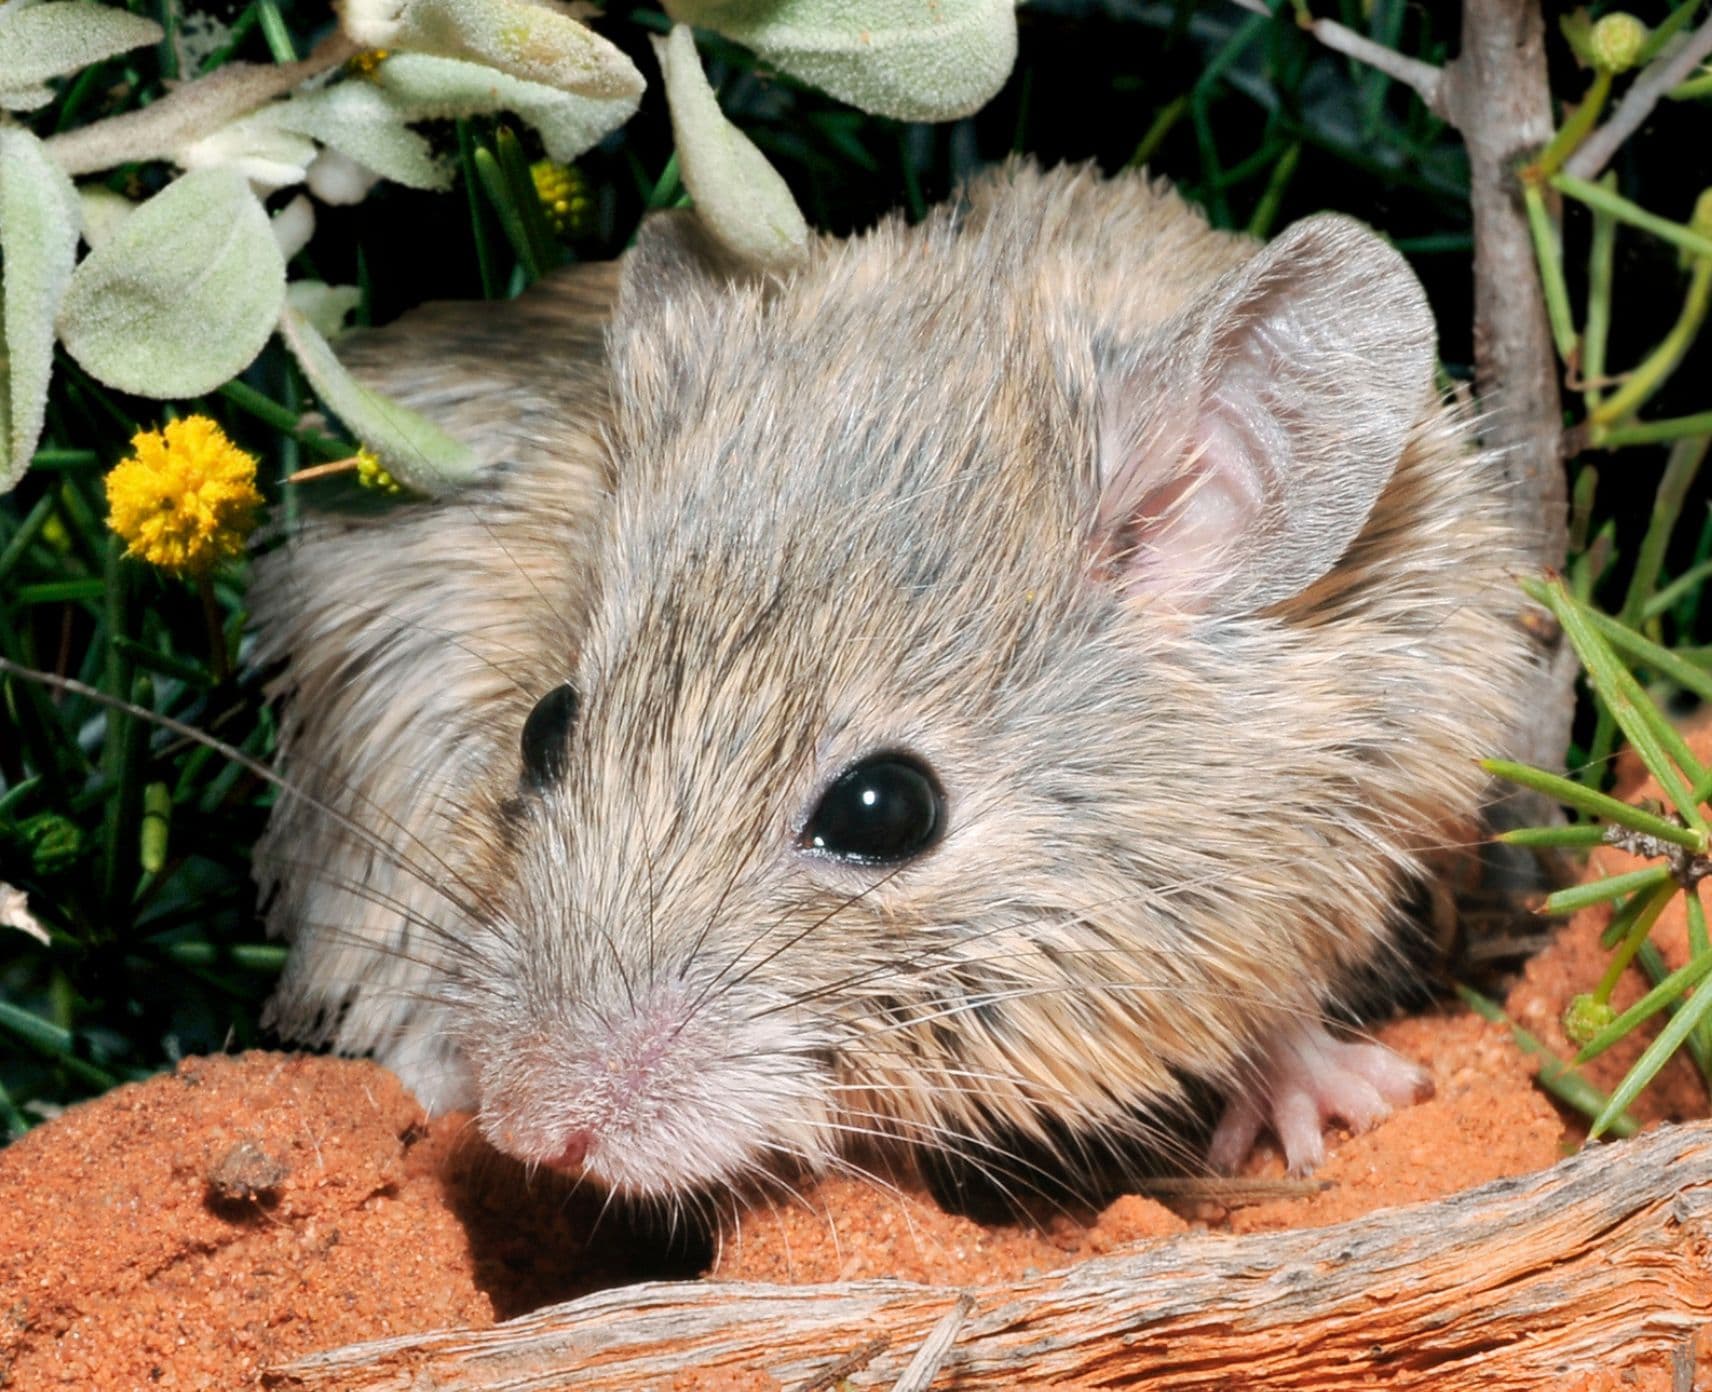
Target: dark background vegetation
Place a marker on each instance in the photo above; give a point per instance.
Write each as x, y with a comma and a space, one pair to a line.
1249, 118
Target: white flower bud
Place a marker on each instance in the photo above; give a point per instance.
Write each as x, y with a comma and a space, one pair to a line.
338, 179
293, 226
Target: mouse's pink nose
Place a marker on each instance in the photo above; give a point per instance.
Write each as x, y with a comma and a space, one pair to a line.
577, 1146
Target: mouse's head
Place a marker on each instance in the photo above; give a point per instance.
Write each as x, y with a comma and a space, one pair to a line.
904, 774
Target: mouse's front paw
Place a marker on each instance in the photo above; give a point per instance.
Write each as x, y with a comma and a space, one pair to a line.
1304, 1079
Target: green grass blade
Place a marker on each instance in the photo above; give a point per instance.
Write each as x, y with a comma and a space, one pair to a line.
28, 530
479, 232
1642, 721
1653, 964
1621, 921
1570, 837
543, 246
1566, 901
1700, 947
1548, 256
1597, 804
1684, 584
1668, 498
1601, 257
55, 1042
498, 190
1623, 210
267, 959
1649, 1064
1656, 432
84, 591
1652, 905
1642, 649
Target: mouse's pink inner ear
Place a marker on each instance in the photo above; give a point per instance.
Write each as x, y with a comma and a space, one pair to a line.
1243, 446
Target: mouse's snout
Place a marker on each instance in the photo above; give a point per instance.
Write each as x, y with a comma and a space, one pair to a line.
594, 1084
665, 1089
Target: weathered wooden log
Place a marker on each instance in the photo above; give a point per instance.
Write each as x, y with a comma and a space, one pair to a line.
1602, 1261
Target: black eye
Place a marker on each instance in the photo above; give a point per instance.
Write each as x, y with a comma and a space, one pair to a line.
544, 735
886, 808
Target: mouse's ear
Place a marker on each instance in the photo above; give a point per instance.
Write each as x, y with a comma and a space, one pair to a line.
1244, 446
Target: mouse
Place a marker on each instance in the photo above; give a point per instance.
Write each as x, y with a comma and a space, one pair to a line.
988, 682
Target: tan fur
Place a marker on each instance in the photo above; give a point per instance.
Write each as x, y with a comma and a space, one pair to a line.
768, 529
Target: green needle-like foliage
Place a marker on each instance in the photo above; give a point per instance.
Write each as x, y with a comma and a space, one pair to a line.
1676, 837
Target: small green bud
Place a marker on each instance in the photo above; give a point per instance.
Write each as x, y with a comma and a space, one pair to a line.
55, 534
1616, 42
1585, 1018
152, 835
55, 842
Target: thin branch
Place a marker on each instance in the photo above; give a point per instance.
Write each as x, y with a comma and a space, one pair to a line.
931, 1356
1638, 103
191, 109
1503, 1287
1424, 79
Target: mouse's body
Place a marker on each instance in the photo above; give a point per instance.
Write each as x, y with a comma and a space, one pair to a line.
1008, 668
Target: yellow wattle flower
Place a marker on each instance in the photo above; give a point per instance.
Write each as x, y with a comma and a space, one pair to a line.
367, 61
564, 196
371, 473
185, 499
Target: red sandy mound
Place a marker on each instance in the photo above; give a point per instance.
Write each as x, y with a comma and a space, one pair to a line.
189, 1231
185, 1231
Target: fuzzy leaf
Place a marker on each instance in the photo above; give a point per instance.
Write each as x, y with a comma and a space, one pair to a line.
902, 58
529, 41
421, 87
414, 450
48, 40
103, 211
256, 146
325, 306
293, 226
359, 122
182, 295
740, 198
39, 221
25, 98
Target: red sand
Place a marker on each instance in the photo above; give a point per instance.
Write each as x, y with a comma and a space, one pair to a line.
189, 1231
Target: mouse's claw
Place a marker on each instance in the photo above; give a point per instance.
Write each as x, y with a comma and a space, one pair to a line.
1305, 1079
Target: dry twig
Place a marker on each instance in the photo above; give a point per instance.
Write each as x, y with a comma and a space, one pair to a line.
1638, 102
1599, 1262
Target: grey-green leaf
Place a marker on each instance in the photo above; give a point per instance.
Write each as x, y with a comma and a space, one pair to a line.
917, 60
60, 36
183, 294
25, 98
422, 87
527, 40
357, 120
740, 198
39, 221
414, 450
326, 307
103, 211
